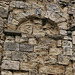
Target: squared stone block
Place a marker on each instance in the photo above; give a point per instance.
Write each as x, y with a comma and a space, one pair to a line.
11, 46
63, 60
55, 51
27, 47
10, 65
20, 56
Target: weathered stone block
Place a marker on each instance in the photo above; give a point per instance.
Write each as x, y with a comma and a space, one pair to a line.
63, 60
40, 47
73, 39
7, 55
38, 21
69, 71
55, 51
63, 32
47, 41
32, 41
32, 56
1, 22
26, 27
20, 73
11, 46
3, 11
74, 66
73, 33
50, 60
73, 56
67, 51
9, 39
41, 50
10, 65
59, 44
62, 25
21, 56
6, 73
37, 31
66, 43
52, 69
27, 47
25, 66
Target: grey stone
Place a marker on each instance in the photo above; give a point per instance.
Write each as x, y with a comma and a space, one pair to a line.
27, 48
17, 55
11, 46
10, 65
3, 12
52, 7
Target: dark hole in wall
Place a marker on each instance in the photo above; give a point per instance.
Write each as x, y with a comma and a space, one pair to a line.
44, 21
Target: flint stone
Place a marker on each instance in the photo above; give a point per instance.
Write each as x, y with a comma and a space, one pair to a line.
10, 65
11, 46
26, 48
6, 73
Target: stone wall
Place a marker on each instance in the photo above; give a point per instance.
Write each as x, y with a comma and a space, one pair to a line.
37, 37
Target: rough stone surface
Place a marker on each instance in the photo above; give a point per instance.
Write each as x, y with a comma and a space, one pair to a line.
37, 37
